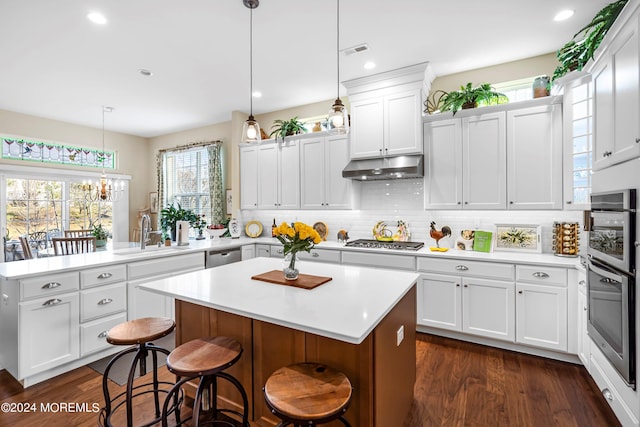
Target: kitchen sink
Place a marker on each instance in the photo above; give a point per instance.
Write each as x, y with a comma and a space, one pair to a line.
147, 250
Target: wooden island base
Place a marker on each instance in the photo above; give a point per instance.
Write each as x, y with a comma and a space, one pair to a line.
382, 373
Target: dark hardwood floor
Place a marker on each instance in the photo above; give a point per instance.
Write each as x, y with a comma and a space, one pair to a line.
458, 384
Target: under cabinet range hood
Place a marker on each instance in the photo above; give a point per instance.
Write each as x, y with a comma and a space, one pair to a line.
385, 168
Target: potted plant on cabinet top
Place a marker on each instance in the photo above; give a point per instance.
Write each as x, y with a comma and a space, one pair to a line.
101, 235
282, 128
470, 97
170, 215
574, 55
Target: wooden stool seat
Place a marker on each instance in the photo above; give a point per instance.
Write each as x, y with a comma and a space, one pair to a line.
308, 392
140, 330
206, 359
204, 356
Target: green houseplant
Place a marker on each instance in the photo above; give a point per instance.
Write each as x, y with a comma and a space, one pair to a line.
101, 235
470, 97
170, 215
282, 128
574, 55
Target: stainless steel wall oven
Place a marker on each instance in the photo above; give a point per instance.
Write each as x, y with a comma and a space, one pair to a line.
611, 279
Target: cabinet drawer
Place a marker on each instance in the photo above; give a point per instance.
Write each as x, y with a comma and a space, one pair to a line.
165, 265
98, 302
404, 262
51, 284
491, 270
94, 334
321, 255
103, 275
543, 275
611, 396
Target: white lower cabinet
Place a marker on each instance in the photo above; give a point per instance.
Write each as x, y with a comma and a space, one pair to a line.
474, 306
584, 342
263, 250
150, 304
93, 334
541, 307
248, 252
48, 333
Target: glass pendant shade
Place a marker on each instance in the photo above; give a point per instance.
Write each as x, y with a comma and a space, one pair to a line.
251, 130
338, 119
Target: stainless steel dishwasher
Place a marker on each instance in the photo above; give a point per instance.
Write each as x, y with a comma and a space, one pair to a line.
217, 257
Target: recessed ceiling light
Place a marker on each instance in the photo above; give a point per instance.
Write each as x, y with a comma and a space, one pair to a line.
97, 18
256, 94
369, 65
562, 15
145, 72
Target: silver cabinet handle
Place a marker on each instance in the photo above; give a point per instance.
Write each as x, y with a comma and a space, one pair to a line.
582, 283
584, 308
569, 202
51, 285
607, 394
462, 267
466, 286
540, 275
52, 302
280, 251
102, 334
637, 140
520, 292
458, 284
104, 276
315, 254
606, 154
105, 301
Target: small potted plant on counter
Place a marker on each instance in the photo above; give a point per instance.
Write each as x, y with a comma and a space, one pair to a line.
101, 235
170, 215
199, 225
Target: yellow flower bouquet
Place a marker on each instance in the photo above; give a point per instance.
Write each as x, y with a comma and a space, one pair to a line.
295, 238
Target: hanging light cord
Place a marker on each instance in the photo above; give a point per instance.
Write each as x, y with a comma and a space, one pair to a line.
338, 47
103, 156
251, 61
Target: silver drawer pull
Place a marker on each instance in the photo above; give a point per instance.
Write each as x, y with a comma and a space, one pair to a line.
315, 254
607, 394
53, 301
582, 283
104, 275
280, 251
462, 267
105, 301
51, 285
540, 275
102, 334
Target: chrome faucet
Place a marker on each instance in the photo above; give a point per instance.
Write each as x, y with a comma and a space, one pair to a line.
145, 226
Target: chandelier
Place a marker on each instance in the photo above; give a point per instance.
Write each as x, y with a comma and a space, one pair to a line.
104, 190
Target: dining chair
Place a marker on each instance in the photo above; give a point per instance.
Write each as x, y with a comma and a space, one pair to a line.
77, 233
26, 248
73, 245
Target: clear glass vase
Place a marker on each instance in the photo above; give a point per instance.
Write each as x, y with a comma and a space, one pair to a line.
291, 265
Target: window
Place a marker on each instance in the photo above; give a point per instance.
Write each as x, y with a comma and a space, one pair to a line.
581, 140
186, 180
41, 208
516, 90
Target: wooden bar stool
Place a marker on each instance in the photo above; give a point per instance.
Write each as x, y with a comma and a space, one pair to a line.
308, 394
206, 359
138, 333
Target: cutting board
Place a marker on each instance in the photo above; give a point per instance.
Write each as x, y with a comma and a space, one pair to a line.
304, 281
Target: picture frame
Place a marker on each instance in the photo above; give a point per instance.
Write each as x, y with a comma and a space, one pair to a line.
229, 202
153, 202
517, 238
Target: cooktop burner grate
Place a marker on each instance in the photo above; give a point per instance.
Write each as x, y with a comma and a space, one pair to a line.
375, 244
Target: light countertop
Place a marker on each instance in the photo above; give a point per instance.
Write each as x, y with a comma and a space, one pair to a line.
347, 308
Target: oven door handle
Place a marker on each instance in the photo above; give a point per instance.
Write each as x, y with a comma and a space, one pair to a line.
602, 270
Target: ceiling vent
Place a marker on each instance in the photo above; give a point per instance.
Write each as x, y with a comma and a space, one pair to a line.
355, 49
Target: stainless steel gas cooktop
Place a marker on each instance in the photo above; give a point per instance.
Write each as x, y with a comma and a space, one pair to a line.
375, 244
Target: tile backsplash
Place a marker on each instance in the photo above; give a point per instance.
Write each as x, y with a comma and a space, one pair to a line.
403, 199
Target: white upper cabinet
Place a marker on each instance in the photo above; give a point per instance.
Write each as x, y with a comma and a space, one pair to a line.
248, 177
484, 161
322, 159
534, 157
502, 157
386, 112
616, 84
279, 175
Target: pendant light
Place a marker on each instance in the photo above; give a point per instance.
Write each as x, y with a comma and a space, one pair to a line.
103, 190
338, 116
251, 128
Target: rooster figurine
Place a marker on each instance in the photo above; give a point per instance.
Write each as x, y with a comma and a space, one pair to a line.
439, 234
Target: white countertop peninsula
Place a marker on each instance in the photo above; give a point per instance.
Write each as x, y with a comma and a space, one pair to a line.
347, 308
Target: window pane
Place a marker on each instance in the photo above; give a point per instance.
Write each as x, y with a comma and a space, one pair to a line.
581, 144
580, 127
580, 110
580, 93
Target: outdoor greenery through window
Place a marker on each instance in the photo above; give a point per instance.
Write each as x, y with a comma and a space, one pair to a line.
186, 180
41, 209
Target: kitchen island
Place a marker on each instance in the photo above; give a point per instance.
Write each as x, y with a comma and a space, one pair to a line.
362, 322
